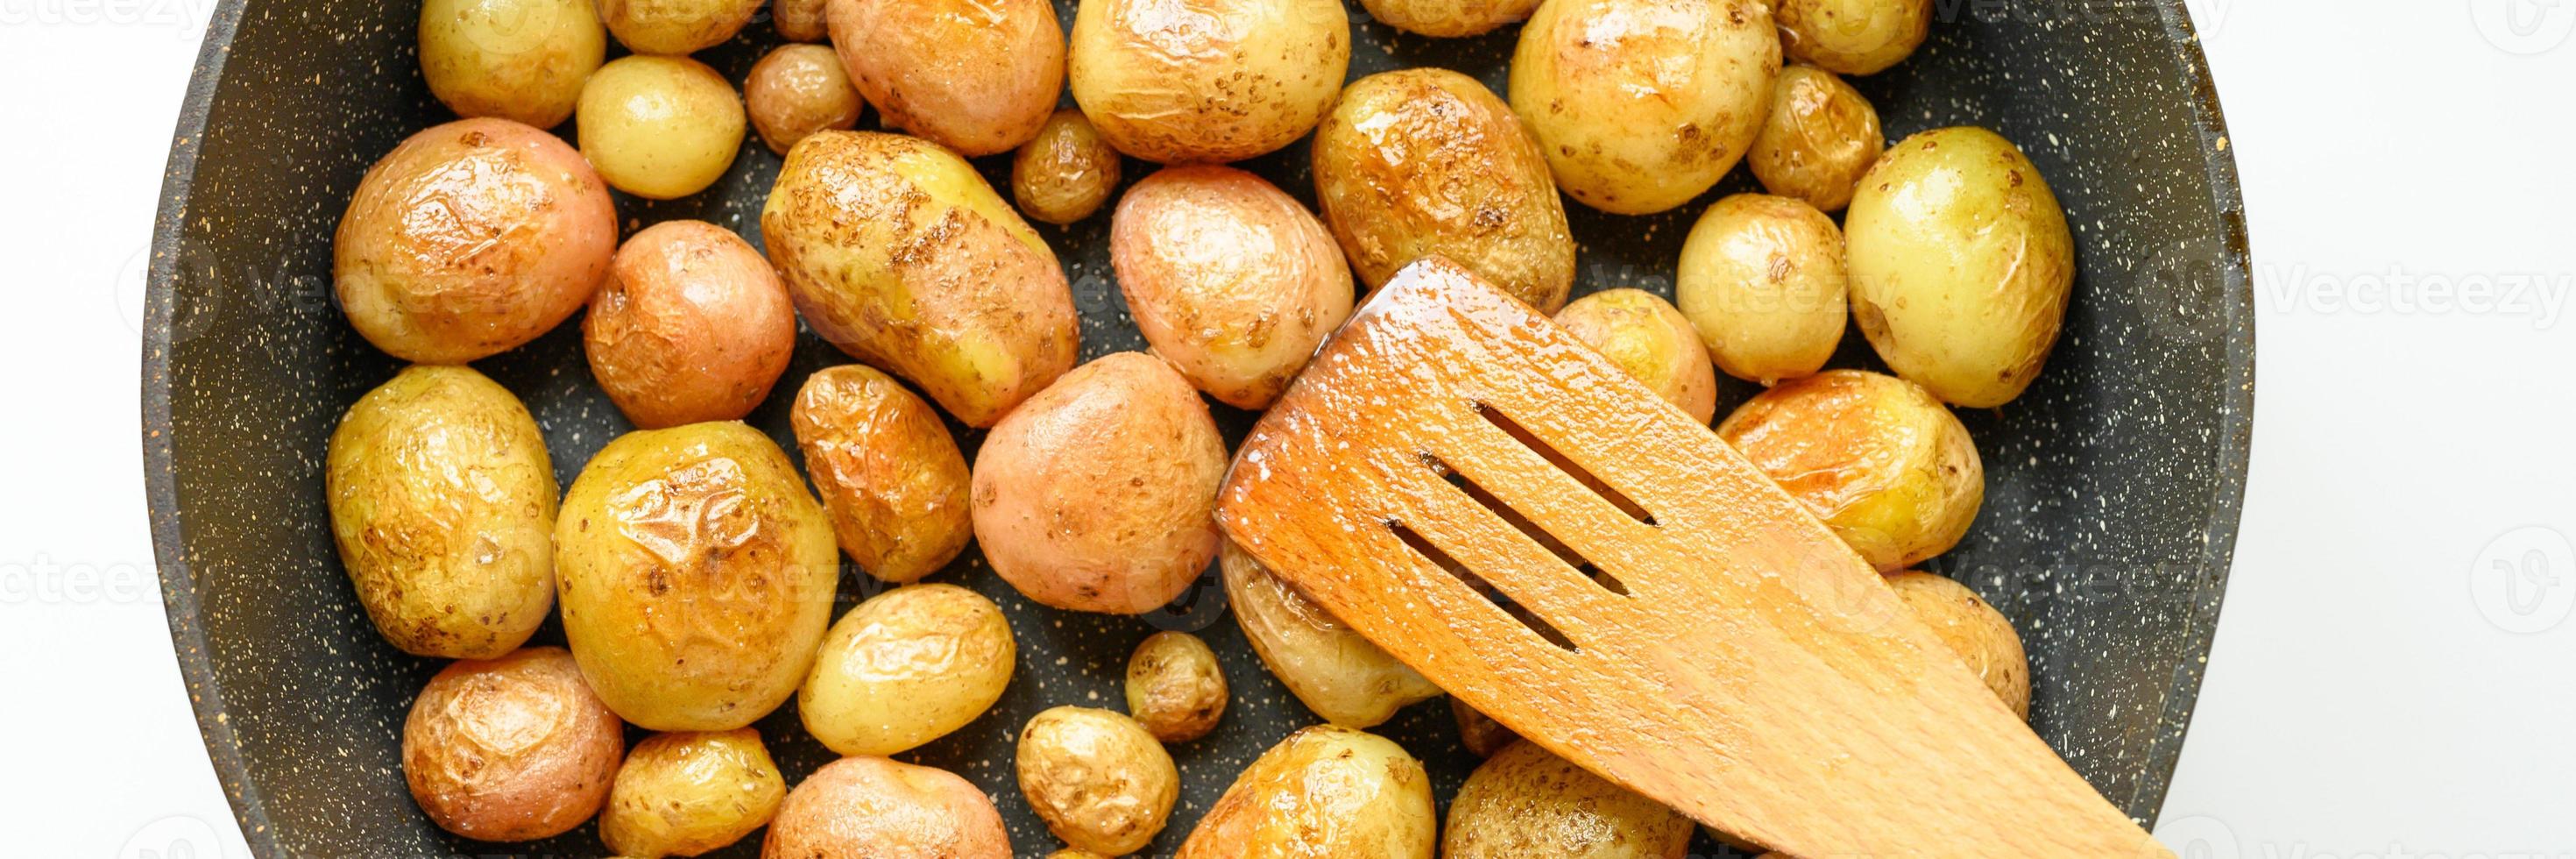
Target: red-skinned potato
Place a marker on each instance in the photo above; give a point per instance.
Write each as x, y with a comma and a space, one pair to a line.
1229, 278
511, 749
976, 76
691, 326
888, 471
873, 808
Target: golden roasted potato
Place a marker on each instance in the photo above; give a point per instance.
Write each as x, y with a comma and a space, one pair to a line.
1175, 688
1762, 282
873, 808
511, 749
906, 667
1449, 18
469, 239
1525, 802
1820, 137
1074, 853
801, 20
1210, 82
1852, 37
1640, 105
898, 253
1066, 172
1424, 161
1891, 470
1229, 278
688, 793
697, 576
889, 473
521, 60
1099, 493
797, 90
659, 127
1098, 779
1645, 336
1323, 791
1479, 732
1960, 265
691, 326
443, 506
976, 76
1979, 633
1328, 666
675, 27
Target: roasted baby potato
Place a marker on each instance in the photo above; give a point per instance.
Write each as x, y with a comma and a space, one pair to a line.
976, 76
1229, 278
1645, 336
1099, 493
1327, 665
873, 808
1066, 172
1449, 18
1640, 105
801, 20
443, 505
1211, 82
906, 667
889, 473
1762, 281
1323, 791
1425, 161
691, 326
1960, 265
1820, 137
1891, 470
659, 127
675, 27
520, 60
1526, 802
1980, 634
688, 793
511, 749
898, 253
1479, 732
469, 239
697, 576
797, 90
1852, 37
1100, 781
1175, 688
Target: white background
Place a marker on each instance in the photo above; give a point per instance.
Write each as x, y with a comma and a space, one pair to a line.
2370, 693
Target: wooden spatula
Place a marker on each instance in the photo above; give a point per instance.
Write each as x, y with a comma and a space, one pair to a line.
1675, 621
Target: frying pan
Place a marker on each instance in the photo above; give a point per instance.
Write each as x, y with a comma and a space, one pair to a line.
2112, 486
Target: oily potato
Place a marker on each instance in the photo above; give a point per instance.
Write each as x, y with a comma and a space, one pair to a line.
1066, 172
801, 20
469, 239
692, 325
1099, 780
1207, 82
1326, 664
1419, 162
443, 507
1640, 105
1449, 18
906, 667
1960, 263
1975, 630
1099, 493
521, 60
1882, 462
510, 749
675, 27
696, 576
1229, 278
1479, 732
898, 253
1526, 802
688, 793
1762, 281
1820, 136
1852, 37
1175, 688
1323, 791
797, 90
890, 475
873, 808
1645, 336
659, 127
976, 76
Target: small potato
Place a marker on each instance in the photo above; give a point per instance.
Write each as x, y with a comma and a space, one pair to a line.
1762, 281
1479, 732
443, 506
873, 808
1099, 493
1640, 105
1960, 265
801, 20
797, 90
1073, 853
1229, 279
1098, 779
1208, 82
1323, 791
511, 749
1852, 37
1891, 470
659, 127
1449, 18
898, 253
1526, 802
675, 27
887, 469
1820, 137
1980, 634
976, 76
521, 60
1645, 336
1328, 666
688, 793
1066, 172
1175, 687
469, 239
1424, 161
691, 326
906, 667
697, 576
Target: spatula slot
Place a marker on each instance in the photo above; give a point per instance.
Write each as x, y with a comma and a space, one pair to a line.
1537, 534
1441, 558
1563, 463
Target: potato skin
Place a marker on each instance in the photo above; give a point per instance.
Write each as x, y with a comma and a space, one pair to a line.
469, 239
1066, 172
797, 90
1479, 732
976, 76
443, 506
801, 20
1208, 82
659, 127
521, 60
1099, 780
897, 252
906, 667
510, 749
1449, 18
1099, 493
1645, 336
873, 808
691, 326
1980, 634
1884, 464
697, 576
890, 475
1852, 37
1526, 802
1640, 105
689, 793
1960, 265
675, 27
1820, 136
1229, 278
1175, 688
1327, 665
1762, 281
1424, 161
1323, 791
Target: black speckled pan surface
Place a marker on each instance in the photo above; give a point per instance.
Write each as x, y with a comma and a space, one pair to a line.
2110, 512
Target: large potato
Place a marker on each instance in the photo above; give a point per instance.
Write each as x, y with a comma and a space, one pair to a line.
689, 793
1884, 464
1323, 791
521, 60
1449, 18
1209, 81
1852, 37
1419, 162
1229, 279
1762, 282
1960, 265
1099, 493
797, 90
675, 27
898, 253
697, 576
889, 473
691, 326
873, 808
1330, 667
1645, 336
659, 127
1975, 630
1175, 688
1099, 780
1640, 105
1525, 802
469, 239
1066, 172
976, 76
443, 506
907, 667
511, 749
1820, 137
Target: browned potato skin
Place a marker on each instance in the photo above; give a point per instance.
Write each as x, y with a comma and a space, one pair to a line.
689, 793
1852, 37
1888, 467
1449, 18
976, 76
1526, 802
1074, 853
887, 469
1175, 688
1208, 81
801, 20
1066, 172
469, 239
1325, 791
797, 90
1229, 279
675, 27
1820, 137
1423, 161
1646, 336
1980, 634
1479, 732
1099, 780
511, 749
873, 808
691, 326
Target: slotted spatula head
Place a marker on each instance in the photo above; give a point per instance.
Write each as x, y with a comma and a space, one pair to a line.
1504, 510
